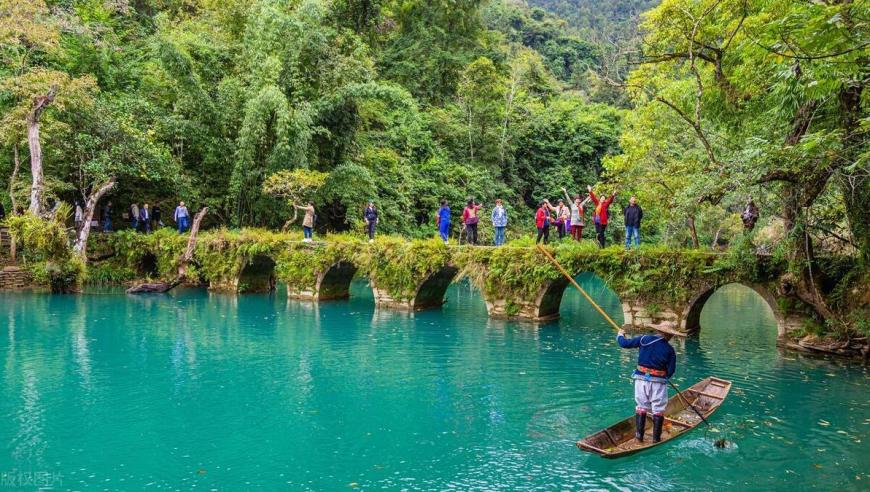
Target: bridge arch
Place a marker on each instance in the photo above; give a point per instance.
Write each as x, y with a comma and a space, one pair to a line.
428, 293
257, 275
691, 319
549, 299
332, 282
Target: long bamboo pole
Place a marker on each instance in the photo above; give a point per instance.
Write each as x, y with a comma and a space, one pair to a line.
574, 282
610, 320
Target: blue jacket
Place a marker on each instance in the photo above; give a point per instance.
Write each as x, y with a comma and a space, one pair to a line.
444, 214
370, 214
655, 352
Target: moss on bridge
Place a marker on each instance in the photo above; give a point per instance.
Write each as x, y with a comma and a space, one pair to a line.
653, 273
516, 276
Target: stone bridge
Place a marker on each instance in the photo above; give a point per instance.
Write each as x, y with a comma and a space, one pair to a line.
656, 286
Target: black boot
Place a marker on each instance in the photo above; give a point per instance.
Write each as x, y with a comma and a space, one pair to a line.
640, 425
658, 420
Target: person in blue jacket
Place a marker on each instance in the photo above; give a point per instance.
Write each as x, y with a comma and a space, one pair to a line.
656, 363
443, 221
499, 222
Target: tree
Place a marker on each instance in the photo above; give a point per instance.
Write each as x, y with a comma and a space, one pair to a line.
28, 36
773, 94
295, 187
481, 96
109, 147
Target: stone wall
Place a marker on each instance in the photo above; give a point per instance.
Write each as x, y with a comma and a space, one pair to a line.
14, 278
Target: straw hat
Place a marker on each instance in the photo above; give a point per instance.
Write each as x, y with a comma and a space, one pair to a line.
662, 328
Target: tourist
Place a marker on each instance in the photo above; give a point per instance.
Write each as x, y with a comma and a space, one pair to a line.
442, 220
577, 215
499, 222
307, 221
602, 212
2, 211
181, 217
749, 215
371, 217
656, 363
134, 216
107, 217
157, 214
542, 221
563, 217
470, 220
145, 219
78, 216
633, 214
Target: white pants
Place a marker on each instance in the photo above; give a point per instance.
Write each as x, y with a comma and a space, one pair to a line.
650, 396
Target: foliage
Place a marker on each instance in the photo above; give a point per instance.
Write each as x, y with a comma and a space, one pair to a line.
655, 274
727, 107
45, 249
398, 266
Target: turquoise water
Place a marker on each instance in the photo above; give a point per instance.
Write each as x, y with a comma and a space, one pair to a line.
107, 391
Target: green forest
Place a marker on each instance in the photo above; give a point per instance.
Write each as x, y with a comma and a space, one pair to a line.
246, 106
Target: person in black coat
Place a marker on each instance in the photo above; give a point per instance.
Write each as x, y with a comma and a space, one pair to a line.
157, 216
371, 217
633, 215
107, 217
145, 219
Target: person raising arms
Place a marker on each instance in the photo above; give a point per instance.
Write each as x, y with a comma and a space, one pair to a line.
601, 213
577, 215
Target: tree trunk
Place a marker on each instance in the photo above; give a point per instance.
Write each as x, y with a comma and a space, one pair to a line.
37, 188
17, 167
291, 220
81, 244
191, 243
160, 286
694, 232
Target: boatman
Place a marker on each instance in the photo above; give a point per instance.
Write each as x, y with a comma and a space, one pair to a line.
656, 362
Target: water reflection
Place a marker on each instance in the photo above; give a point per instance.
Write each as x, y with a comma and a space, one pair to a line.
263, 392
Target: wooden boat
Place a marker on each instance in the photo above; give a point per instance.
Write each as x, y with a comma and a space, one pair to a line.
618, 439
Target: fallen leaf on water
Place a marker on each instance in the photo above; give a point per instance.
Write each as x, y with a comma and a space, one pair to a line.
353, 485
817, 465
824, 423
200, 472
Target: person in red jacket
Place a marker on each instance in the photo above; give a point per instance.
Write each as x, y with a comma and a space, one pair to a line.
600, 214
543, 219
